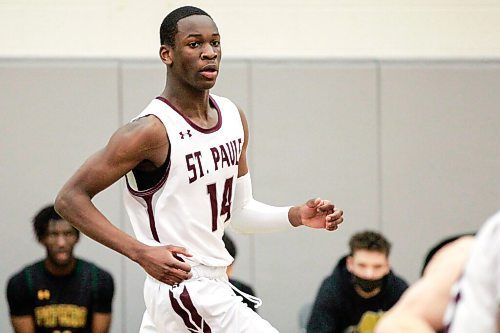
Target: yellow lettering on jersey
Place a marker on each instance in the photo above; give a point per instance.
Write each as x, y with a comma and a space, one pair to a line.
43, 294
67, 315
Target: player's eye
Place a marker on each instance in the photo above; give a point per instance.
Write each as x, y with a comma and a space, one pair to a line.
215, 43
194, 44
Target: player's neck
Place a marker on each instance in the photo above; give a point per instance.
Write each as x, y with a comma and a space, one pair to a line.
194, 105
187, 100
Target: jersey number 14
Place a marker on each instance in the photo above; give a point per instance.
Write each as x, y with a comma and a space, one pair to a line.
225, 208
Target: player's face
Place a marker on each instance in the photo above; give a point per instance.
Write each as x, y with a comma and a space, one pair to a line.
368, 265
197, 52
60, 240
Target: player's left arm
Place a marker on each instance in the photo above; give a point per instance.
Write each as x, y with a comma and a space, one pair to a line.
23, 324
101, 322
256, 216
101, 318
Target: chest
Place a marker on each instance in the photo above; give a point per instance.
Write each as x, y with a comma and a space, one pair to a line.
62, 303
206, 157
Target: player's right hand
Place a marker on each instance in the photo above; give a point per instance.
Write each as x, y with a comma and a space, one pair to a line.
164, 264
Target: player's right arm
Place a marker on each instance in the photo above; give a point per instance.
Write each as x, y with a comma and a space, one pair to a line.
143, 141
23, 324
252, 216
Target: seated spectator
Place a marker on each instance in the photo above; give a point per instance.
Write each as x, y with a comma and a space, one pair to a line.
361, 287
60, 293
247, 289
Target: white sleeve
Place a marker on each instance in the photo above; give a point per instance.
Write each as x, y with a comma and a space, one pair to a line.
251, 216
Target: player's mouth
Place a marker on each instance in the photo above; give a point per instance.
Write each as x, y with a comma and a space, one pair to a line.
62, 256
209, 71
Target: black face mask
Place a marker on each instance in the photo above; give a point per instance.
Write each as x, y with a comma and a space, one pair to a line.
367, 285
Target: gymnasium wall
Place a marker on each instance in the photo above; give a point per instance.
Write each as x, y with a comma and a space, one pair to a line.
407, 147
258, 28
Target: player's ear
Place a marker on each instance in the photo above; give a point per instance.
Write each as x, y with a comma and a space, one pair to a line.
349, 263
43, 241
167, 54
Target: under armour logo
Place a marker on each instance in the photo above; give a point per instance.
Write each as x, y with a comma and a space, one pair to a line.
188, 133
43, 294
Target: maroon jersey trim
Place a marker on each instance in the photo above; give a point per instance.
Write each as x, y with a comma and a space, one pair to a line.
147, 195
153, 189
152, 222
193, 125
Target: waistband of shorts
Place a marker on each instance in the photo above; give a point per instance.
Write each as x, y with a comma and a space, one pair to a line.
209, 272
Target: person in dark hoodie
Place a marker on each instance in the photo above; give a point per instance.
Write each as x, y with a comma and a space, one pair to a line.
361, 287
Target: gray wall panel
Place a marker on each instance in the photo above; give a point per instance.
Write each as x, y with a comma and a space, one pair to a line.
54, 114
440, 153
410, 148
313, 134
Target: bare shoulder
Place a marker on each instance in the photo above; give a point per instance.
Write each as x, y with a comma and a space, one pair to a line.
426, 300
242, 113
143, 139
145, 129
242, 164
144, 133
450, 260
244, 122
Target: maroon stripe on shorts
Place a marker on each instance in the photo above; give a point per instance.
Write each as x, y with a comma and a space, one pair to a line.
188, 304
181, 312
191, 315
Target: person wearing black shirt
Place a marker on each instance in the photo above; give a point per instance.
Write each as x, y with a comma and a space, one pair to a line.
362, 286
60, 293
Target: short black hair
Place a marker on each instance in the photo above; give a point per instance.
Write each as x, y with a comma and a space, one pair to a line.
42, 219
168, 28
230, 246
371, 241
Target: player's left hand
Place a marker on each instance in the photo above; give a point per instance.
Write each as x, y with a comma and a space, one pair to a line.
320, 214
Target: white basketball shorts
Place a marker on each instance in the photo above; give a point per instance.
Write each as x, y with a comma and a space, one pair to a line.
203, 304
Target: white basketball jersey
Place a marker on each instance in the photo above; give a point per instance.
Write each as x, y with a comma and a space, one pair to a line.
476, 300
191, 204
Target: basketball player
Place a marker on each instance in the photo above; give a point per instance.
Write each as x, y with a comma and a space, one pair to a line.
475, 306
422, 306
472, 305
184, 160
